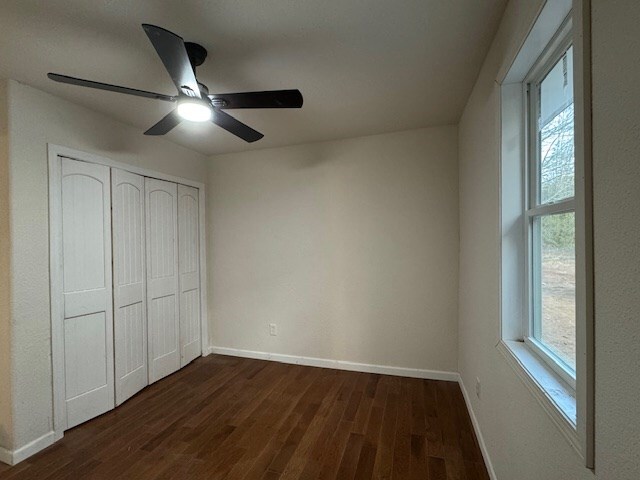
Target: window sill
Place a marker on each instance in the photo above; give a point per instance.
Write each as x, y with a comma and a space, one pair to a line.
556, 397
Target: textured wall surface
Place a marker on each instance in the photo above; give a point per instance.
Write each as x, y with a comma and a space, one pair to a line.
616, 172
5, 282
523, 442
350, 247
36, 118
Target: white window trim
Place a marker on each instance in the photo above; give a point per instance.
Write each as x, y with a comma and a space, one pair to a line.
547, 356
570, 407
555, 396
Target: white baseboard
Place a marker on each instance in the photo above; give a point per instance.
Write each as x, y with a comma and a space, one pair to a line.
16, 456
338, 364
476, 427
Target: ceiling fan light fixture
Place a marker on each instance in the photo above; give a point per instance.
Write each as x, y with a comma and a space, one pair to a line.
194, 111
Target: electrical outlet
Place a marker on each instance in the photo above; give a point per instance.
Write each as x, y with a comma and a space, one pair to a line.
477, 387
273, 329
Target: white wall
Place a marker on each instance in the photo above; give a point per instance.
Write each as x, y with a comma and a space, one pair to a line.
36, 118
350, 247
522, 441
5, 284
616, 172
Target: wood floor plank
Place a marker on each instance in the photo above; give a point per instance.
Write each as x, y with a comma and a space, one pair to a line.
435, 446
271, 449
318, 451
402, 445
448, 422
437, 469
297, 463
335, 451
418, 415
234, 418
418, 465
384, 456
369, 447
349, 461
455, 469
362, 415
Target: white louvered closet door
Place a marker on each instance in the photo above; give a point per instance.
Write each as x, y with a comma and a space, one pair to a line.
129, 283
87, 290
189, 264
161, 204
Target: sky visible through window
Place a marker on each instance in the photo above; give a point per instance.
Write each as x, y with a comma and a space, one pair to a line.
557, 152
556, 183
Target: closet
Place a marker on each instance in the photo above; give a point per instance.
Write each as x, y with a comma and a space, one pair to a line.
126, 278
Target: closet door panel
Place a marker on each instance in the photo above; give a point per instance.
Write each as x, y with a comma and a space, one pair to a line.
162, 277
189, 265
87, 290
129, 272
85, 339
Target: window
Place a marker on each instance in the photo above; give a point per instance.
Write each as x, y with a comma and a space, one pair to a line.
546, 270
550, 212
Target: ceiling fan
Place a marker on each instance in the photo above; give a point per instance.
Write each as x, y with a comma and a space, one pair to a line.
194, 103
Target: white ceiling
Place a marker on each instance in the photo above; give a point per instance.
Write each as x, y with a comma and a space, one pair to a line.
363, 66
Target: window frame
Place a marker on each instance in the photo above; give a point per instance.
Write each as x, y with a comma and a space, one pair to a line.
533, 208
571, 410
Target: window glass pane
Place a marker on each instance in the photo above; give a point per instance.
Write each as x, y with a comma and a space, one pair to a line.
557, 286
556, 140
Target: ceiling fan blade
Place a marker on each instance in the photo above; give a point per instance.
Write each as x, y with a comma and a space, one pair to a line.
171, 120
234, 126
268, 99
112, 88
171, 50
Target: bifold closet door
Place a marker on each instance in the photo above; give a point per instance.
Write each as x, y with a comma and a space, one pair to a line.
87, 290
129, 284
161, 204
189, 264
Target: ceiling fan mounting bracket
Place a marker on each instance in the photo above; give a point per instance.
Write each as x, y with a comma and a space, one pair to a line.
219, 102
197, 54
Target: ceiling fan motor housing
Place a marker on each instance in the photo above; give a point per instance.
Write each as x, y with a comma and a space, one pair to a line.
197, 54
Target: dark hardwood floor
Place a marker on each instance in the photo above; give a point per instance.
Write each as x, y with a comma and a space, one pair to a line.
233, 418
